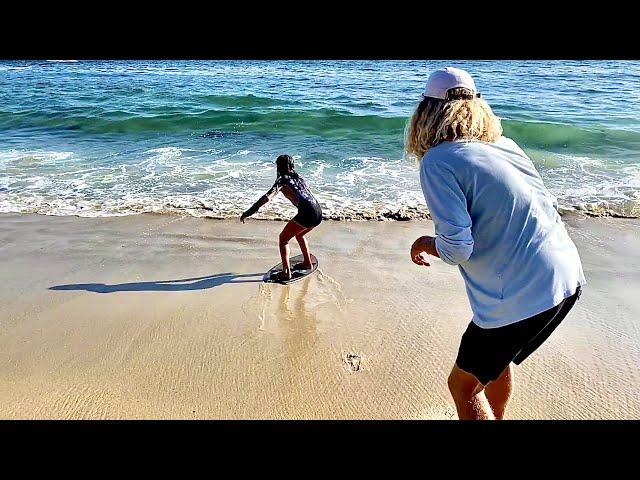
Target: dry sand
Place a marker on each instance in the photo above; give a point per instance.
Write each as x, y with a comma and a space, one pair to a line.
166, 317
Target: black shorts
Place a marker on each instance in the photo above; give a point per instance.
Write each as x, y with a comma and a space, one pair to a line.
309, 214
486, 352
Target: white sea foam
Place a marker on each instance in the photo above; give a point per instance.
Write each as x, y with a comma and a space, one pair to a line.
22, 158
213, 183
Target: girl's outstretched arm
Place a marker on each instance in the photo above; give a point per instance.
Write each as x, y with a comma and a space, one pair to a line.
254, 208
261, 201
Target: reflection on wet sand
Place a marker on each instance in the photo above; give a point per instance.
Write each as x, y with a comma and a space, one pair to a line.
296, 321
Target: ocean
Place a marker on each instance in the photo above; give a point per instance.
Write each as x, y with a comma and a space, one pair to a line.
105, 138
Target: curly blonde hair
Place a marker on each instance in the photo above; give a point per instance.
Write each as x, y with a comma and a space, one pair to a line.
461, 116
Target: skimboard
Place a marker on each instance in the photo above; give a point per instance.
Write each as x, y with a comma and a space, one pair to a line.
296, 275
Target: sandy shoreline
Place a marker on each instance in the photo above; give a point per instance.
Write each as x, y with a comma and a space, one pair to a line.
160, 316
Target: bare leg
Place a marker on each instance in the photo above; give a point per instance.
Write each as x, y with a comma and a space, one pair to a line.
499, 391
304, 247
467, 393
284, 255
290, 230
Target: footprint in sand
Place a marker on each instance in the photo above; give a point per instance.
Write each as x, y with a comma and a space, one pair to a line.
352, 361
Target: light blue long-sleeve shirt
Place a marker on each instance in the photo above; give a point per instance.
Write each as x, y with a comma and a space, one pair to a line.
495, 219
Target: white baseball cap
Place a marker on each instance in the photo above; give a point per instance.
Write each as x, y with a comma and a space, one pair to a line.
443, 79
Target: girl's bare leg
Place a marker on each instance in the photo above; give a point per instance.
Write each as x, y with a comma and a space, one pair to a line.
290, 230
304, 247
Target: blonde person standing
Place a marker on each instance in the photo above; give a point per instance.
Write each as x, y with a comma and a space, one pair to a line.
496, 221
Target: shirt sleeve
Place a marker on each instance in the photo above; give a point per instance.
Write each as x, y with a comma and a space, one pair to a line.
448, 207
274, 189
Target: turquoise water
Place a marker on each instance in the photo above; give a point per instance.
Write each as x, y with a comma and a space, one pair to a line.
114, 138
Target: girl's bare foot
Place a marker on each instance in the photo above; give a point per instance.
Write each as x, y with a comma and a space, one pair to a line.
282, 276
302, 266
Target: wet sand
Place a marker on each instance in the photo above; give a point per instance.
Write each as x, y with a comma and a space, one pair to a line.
159, 316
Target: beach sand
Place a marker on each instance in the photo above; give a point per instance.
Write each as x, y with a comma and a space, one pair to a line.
160, 316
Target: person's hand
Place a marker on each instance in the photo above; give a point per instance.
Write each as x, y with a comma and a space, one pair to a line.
242, 218
417, 249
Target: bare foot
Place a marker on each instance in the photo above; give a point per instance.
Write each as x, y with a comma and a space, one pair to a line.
302, 266
281, 276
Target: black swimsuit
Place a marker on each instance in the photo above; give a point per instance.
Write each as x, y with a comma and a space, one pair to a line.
309, 211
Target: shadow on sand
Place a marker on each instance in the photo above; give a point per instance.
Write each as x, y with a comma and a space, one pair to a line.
197, 283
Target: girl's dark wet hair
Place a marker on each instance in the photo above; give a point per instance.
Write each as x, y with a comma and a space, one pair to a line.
284, 165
